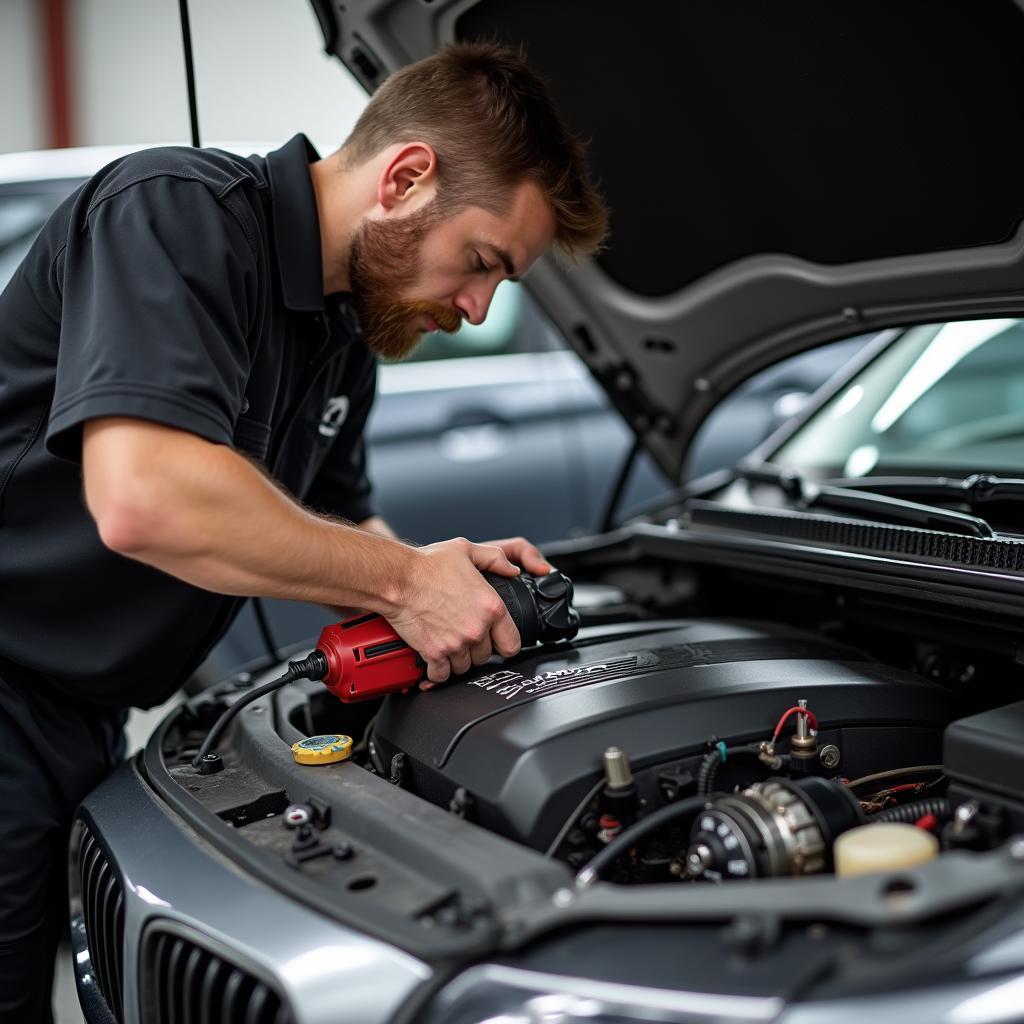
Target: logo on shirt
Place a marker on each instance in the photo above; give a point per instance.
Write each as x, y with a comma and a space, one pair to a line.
334, 415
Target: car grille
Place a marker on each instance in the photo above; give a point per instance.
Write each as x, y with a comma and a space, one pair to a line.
185, 983
103, 912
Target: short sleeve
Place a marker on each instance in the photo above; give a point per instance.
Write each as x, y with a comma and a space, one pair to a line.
342, 487
158, 291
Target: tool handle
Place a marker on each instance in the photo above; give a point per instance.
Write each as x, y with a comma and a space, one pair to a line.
366, 658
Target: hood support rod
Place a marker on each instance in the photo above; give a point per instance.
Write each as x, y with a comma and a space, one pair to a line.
190, 76
608, 519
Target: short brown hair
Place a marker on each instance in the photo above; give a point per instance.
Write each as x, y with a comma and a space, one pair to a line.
491, 122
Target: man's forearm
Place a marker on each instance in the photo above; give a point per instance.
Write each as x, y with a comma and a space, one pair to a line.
376, 525
203, 513
379, 526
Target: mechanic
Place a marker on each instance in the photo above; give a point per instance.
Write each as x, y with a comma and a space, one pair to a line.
187, 361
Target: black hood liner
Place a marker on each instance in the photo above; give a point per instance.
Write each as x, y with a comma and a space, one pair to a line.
834, 131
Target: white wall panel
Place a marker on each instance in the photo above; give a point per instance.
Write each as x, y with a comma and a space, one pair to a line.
261, 73
22, 103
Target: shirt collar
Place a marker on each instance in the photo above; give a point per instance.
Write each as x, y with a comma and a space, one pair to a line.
296, 225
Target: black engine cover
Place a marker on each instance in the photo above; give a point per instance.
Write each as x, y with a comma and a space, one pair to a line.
525, 739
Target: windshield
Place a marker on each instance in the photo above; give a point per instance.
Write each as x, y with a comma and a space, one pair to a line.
942, 399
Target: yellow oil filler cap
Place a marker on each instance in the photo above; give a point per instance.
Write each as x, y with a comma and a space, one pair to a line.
884, 846
324, 749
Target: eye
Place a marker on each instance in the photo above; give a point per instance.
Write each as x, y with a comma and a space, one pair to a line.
481, 265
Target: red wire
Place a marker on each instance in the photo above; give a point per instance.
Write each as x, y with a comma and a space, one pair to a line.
794, 711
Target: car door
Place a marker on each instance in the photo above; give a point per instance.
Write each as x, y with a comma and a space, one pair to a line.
467, 438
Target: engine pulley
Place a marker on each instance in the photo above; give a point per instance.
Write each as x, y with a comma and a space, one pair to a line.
776, 828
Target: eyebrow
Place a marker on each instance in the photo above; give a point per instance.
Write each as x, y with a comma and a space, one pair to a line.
510, 267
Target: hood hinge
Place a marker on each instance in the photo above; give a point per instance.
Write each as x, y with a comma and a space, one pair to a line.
620, 381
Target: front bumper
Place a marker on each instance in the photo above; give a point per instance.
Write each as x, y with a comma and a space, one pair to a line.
156, 877
148, 874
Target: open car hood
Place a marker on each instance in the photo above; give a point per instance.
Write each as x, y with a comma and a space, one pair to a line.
779, 174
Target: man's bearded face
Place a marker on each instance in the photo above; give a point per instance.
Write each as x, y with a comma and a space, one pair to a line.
385, 262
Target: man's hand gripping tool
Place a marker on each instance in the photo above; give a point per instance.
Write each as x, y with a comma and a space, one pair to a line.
366, 658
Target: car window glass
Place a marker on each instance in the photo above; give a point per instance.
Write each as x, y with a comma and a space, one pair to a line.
21, 217
946, 396
743, 419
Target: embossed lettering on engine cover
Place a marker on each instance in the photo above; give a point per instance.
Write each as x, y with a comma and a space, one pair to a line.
509, 684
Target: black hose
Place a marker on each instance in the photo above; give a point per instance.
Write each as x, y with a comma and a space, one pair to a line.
707, 770
312, 667
712, 759
590, 872
909, 813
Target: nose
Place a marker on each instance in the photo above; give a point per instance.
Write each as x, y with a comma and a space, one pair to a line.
474, 300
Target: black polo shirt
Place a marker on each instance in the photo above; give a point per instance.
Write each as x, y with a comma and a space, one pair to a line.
183, 287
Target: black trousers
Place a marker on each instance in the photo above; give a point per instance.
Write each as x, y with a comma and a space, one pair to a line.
53, 750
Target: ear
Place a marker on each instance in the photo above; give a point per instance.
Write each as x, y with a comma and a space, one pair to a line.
409, 178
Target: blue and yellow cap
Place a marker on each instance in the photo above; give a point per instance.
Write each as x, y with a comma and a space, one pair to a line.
324, 749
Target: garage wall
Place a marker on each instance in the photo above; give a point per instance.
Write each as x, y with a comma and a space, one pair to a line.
21, 80
261, 73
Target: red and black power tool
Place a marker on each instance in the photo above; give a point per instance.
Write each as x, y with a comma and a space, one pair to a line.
364, 657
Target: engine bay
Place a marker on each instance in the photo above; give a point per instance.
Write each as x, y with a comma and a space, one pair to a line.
680, 741
577, 742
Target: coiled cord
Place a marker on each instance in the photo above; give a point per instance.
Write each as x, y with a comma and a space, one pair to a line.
909, 813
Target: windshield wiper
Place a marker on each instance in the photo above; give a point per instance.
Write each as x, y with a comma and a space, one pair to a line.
869, 502
977, 489
901, 510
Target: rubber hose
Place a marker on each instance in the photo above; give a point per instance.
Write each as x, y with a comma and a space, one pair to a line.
712, 759
909, 813
631, 836
707, 771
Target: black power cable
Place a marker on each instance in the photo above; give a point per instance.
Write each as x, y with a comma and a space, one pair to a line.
190, 75
312, 667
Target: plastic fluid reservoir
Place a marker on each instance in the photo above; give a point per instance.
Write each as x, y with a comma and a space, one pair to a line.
887, 846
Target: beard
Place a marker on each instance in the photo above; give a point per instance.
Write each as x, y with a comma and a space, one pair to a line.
385, 261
